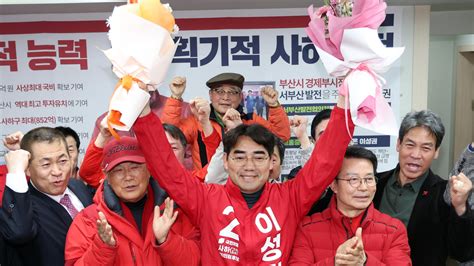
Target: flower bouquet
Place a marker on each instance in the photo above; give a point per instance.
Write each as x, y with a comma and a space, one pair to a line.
344, 33
142, 51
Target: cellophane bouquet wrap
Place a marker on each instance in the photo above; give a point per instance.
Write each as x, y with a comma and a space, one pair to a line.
345, 35
142, 50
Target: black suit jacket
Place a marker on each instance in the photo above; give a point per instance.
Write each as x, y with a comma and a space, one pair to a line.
434, 229
36, 225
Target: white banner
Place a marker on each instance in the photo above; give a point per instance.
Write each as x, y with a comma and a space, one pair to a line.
53, 73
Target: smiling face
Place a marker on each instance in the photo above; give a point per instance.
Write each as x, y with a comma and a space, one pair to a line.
351, 201
416, 152
50, 166
129, 181
248, 165
224, 97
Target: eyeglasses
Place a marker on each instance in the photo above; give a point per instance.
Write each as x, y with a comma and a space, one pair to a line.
222, 92
256, 160
355, 182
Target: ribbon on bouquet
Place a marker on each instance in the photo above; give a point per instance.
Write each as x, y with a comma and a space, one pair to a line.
362, 88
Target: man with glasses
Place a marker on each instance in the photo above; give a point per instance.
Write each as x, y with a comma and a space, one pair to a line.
247, 221
225, 93
351, 231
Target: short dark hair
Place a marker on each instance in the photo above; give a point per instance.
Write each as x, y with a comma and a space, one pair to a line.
176, 133
67, 131
359, 152
42, 134
281, 148
318, 118
426, 119
256, 132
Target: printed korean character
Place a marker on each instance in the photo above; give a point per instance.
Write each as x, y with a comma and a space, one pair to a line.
266, 222
317, 95
79, 86
73, 53
215, 43
187, 52
246, 49
43, 56
8, 55
283, 83
299, 95
387, 93
310, 83
51, 120
326, 82
326, 94
339, 82
291, 95
318, 82
335, 93
283, 95
10, 88
280, 51
3, 88
304, 47
5, 105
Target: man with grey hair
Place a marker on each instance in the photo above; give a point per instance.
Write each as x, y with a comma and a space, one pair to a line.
414, 194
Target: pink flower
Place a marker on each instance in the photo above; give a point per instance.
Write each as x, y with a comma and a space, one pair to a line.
321, 12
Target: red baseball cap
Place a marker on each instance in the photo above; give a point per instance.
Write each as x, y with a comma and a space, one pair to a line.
126, 149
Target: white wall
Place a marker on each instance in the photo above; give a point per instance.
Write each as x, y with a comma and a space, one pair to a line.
441, 95
446, 30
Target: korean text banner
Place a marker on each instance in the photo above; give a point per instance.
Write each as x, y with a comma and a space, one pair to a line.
53, 73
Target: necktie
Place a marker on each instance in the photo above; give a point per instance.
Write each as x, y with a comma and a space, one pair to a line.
66, 201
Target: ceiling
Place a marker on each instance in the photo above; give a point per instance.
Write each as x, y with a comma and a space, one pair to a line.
83, 6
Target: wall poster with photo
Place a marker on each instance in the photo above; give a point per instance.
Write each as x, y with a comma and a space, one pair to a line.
252, 99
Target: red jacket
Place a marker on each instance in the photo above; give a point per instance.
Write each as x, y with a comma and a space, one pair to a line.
84, 246
277, 122
319, 235
91, 168
232, 233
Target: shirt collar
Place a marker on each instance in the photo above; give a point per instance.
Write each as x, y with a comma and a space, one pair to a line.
415, 185
56, 198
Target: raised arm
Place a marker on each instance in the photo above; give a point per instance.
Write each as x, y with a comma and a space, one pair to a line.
186, 190
17, 224
278, 122
325, 162
91, 170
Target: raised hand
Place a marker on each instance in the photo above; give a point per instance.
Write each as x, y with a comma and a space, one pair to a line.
12, 141
163, 223
270, 95
231, 119
17, 161
106, 233
201, 109
104, 134
299, 124
461, 187
177, 87
352, 251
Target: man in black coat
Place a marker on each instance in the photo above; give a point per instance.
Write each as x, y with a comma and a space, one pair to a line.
414, 194
36, 215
